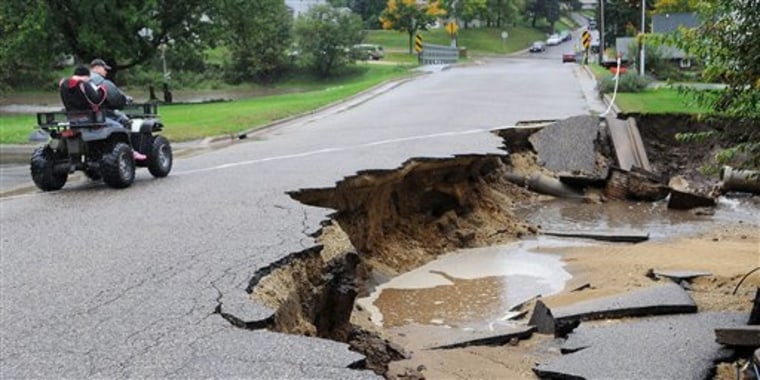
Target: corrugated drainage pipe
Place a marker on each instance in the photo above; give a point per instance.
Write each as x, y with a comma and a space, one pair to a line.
740, 180
544, 184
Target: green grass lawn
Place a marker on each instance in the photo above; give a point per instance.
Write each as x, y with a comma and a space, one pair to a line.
194, 121
476, 40
659, 101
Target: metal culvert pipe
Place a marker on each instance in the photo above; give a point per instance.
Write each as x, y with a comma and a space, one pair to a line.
740, 180
544, 184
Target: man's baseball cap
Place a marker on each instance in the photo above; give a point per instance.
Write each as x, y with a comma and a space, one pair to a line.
99, 62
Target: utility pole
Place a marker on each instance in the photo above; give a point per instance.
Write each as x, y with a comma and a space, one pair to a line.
601, 30
643, 30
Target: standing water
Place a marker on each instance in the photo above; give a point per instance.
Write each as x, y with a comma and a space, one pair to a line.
469, 288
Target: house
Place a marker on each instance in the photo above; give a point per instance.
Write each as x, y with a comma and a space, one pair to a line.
296, 7
668, 23
662, 23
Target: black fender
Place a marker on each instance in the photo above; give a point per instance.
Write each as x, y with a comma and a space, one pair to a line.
151, 125
104, 133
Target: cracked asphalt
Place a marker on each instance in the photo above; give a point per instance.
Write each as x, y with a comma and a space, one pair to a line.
103, 283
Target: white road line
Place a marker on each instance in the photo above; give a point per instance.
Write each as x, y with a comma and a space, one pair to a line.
337, 149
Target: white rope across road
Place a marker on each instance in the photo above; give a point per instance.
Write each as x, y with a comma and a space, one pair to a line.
614, 93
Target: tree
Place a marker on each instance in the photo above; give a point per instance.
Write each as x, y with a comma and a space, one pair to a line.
497, 13
671, 6
546, 9
726, 43
410, 16
471, 9
325, 35
621, 18
26, 45
258, 33
123, 32
552, 13
369, 10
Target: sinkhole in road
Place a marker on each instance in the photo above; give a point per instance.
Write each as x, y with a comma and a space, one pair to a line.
441, 212
386, 223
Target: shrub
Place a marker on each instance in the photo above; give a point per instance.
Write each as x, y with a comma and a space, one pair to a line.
629, 82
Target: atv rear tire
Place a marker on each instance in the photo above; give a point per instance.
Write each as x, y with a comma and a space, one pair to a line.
160, 157
118, 166
43, 160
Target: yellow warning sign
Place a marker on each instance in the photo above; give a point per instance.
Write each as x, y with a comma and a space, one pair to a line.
452, 28
418, 43
586, 39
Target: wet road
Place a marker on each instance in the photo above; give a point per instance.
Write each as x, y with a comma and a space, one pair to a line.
124, 283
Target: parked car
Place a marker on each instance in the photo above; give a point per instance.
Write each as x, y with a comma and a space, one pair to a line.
553, 40
565, 35
368, 51
537, 47
568, 57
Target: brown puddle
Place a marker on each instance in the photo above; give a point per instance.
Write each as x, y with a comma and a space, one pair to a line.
472, 288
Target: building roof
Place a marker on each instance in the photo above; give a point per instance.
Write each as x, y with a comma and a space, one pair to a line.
669, 22
624, 44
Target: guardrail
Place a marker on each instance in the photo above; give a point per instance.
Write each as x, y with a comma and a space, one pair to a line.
438, 54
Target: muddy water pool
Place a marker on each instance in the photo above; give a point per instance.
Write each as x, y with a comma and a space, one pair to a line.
474, 289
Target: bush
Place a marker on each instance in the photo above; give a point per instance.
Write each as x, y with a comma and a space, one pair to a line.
629, 82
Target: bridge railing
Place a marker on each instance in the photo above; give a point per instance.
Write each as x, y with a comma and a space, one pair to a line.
438, 54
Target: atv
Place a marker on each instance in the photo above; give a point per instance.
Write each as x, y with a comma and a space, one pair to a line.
82, 140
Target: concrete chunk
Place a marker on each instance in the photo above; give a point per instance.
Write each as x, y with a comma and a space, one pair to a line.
681, 275
445, 337
665, 347
747, 336
681, 200
661, 299
568, 145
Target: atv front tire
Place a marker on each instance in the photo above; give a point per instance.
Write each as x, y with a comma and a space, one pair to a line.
160, 157
42, 163
118, 166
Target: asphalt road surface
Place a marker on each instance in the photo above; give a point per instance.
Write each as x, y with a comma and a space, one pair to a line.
103, 283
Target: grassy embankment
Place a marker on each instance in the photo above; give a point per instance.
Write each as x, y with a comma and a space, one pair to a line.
662, 100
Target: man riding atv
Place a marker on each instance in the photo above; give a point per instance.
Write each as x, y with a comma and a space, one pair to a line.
82, 138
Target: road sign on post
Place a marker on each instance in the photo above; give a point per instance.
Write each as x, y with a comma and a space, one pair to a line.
586, 42
418, 43
586, 39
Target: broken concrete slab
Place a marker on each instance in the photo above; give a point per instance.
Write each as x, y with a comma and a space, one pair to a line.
681, 275
569, 145
609, 236
446, 337
681, 200
746, 336
659, 299
627, 143
664, 347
